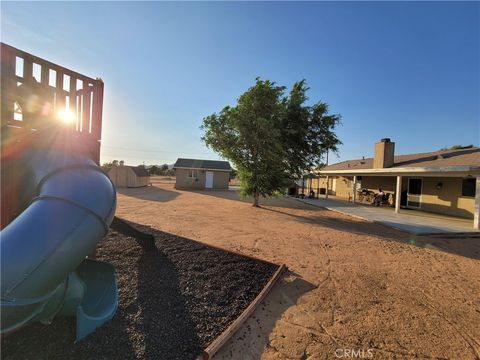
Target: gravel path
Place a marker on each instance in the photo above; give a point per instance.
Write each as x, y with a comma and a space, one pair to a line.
173, 301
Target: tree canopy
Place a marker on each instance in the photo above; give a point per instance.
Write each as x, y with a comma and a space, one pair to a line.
270, 137
457, 147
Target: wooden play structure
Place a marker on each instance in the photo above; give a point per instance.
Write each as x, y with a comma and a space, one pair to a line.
43, 104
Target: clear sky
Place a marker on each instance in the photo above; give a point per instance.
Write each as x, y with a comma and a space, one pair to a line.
408, 71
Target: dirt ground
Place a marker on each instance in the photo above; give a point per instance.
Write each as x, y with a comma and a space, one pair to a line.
354, 290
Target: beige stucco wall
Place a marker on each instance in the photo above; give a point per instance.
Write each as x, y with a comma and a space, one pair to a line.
124, 176
447, 200
337, 186
343, 187
220, 180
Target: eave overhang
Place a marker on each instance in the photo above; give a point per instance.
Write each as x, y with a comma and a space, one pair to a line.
433, 171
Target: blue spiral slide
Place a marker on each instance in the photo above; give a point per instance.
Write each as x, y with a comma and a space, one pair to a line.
69, 204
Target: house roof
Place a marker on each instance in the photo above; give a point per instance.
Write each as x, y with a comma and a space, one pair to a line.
443, 160
139, 171
202, 164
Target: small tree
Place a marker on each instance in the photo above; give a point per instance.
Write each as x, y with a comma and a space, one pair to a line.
163, 169
108, 165
457, 147
271, 138
154, 170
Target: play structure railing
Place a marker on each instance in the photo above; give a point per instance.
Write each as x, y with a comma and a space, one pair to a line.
65, 89
43, 104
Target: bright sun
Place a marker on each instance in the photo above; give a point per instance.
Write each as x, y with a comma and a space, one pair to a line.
66, 116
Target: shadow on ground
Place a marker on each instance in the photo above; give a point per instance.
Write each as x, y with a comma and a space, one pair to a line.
150, 193
234, 195
467, 245
166, 325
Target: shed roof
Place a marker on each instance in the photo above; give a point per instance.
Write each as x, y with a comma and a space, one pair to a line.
202, 164
139, 171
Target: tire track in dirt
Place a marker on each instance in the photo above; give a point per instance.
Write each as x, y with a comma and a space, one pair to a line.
470, 340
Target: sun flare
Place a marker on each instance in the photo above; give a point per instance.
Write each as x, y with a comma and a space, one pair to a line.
66, 116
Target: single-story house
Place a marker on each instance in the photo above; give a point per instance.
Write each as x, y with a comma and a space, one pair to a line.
202, 174
129, 176
444, 182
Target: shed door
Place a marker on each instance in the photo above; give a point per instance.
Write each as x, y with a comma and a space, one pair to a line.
209, 179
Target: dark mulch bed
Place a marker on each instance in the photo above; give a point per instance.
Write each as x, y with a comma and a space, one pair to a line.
173, 301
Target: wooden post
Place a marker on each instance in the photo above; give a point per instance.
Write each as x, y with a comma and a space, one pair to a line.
398, 194
97, 109
8, 85
59, 93
72, 101
86, 95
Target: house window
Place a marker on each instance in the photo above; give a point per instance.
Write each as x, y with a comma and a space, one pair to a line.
193, 173
468, 187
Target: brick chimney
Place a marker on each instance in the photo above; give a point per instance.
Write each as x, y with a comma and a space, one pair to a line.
384, 153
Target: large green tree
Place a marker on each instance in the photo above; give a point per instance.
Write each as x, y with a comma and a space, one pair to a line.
271, 138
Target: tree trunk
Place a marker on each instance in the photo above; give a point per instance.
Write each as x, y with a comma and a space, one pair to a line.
255, 199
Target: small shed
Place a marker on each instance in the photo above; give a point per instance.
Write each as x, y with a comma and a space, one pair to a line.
129, 176
202, 174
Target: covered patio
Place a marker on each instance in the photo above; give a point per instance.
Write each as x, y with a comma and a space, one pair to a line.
420, 197
440, 189
413, 221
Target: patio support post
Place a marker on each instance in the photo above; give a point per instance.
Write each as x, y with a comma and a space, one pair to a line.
354, 189
398, 194
476, 216
326, 191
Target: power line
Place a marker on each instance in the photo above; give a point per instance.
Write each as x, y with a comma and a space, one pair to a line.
153, 151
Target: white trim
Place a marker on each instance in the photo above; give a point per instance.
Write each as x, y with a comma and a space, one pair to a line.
398, 194
197, 168
194, 174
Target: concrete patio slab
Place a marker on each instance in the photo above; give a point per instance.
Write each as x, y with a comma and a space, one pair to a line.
416, 222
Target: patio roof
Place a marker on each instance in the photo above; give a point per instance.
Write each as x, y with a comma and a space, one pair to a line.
453, 163
447, 171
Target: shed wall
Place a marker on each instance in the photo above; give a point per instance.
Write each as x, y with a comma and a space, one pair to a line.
182, 181
124, 176
221, 180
